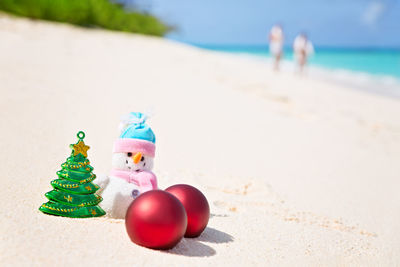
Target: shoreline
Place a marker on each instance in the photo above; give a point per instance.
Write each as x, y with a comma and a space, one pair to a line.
381, 84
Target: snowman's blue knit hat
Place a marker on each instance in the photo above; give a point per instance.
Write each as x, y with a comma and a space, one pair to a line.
136, 135
137, 128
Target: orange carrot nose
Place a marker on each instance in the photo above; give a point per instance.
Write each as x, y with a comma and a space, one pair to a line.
137, 157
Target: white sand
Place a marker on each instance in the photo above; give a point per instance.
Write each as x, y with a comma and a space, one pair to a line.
296, 171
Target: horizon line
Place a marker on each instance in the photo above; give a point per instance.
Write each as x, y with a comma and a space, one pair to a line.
265, 46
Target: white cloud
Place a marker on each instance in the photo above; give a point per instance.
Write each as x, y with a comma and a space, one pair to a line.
373, 12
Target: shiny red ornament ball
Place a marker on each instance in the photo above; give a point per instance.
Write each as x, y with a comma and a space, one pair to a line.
196, 206
156, 219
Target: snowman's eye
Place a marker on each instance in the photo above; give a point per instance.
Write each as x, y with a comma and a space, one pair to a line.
142, 159
129, 154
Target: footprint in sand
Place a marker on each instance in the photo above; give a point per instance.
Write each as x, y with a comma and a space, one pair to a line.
277, 208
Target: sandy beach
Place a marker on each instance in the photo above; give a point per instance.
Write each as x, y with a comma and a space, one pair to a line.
297, 171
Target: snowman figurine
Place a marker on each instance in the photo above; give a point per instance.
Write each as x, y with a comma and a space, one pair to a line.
132, 162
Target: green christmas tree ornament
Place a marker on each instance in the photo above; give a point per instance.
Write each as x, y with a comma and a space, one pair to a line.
74, 194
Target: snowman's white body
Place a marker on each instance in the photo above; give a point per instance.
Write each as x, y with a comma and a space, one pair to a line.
117, 193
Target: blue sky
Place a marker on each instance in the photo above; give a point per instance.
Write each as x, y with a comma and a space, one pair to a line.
349, 23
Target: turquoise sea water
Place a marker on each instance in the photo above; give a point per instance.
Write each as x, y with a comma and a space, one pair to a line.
373, 61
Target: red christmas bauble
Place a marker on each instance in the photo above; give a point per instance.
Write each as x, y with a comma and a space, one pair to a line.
156, 219
196, 206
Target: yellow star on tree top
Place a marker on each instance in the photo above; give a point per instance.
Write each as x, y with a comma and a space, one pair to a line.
80, 147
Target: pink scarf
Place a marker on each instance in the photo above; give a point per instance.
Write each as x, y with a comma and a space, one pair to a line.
145, 180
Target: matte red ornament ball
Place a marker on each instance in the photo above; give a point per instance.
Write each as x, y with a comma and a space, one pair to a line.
156, 219
196, 206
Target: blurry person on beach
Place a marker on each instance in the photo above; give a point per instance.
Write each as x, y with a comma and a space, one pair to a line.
302, 48
276, 44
